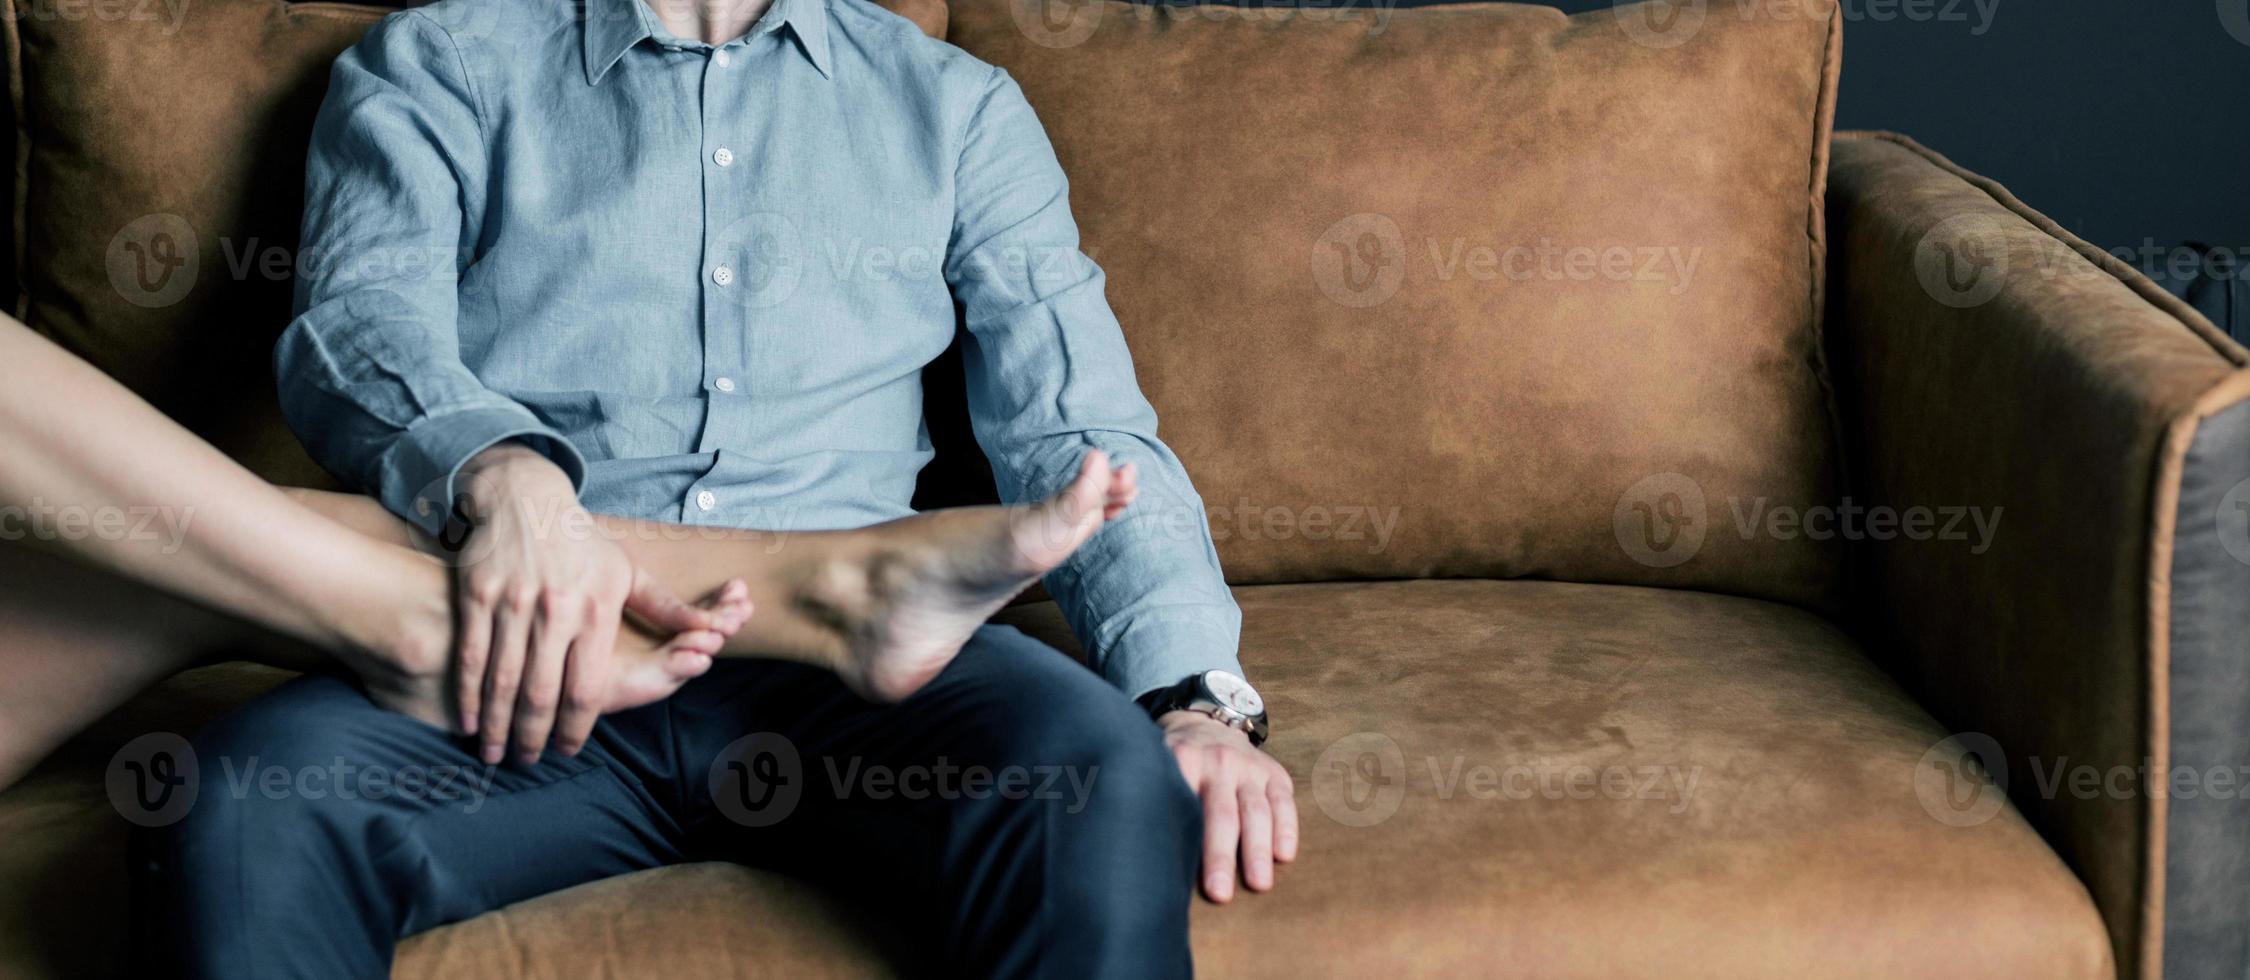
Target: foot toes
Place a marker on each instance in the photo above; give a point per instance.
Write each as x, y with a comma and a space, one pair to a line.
1087, 494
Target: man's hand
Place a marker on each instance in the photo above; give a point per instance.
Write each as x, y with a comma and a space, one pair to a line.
1249, 802
540, 608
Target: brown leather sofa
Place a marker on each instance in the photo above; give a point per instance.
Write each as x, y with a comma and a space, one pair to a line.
1598, 446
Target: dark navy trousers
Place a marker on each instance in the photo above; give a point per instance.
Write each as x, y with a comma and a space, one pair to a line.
1018, 816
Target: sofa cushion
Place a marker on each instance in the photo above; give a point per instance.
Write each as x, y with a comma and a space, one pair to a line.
160, 182
1496, 778
1458, 290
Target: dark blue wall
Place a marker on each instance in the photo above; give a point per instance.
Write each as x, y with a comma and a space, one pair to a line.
2125, 120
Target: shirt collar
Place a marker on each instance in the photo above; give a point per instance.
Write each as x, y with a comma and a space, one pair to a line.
612, 27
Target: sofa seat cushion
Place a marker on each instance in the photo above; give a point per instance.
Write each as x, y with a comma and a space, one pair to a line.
1496, 778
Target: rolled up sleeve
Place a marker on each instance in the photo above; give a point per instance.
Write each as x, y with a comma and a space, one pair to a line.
1050, 377
370, 370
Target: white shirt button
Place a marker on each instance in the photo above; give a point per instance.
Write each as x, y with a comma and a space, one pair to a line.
706, 500
724, 384
722, 275
723, 157
721, 58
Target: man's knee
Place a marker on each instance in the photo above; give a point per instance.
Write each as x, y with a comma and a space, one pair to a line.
286, 774
278, 829
1114, 794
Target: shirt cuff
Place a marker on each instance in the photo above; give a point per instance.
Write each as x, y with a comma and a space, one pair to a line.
419, 471
1159, 652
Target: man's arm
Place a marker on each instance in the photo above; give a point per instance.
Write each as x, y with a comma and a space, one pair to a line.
1049, 377
371, 379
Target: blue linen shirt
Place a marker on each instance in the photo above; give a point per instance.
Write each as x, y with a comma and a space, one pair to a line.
704, 280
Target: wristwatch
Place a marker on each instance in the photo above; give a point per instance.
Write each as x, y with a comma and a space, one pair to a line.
1217, 693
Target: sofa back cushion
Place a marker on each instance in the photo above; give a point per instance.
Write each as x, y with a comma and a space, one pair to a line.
1478, 289
159, 188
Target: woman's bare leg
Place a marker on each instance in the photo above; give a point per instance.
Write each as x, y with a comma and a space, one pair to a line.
128, 548
885, 606
152, 513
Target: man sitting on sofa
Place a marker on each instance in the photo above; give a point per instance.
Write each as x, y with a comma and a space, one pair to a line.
685, 261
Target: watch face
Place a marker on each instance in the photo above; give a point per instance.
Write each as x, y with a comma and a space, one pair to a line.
1234, 692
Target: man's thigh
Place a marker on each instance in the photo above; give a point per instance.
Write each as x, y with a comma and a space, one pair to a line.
760, 741
959, 809
315, 808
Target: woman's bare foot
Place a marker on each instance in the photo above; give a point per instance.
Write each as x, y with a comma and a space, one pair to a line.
647, 670
905, 605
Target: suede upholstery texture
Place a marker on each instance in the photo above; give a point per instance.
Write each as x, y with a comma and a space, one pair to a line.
1229, 169
1767, 817
1532, 265
1965, 321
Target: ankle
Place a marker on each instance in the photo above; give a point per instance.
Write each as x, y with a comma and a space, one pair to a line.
398, 620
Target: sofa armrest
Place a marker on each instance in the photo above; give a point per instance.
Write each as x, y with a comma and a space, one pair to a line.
1985, 358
